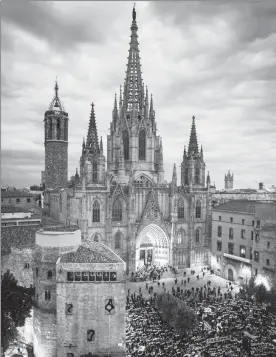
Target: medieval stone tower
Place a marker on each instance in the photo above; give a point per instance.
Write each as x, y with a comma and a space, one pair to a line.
56, 144
130, 207
229, 181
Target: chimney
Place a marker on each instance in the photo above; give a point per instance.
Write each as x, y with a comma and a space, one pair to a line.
261, 186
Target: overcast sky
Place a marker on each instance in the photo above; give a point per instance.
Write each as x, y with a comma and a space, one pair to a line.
215, 60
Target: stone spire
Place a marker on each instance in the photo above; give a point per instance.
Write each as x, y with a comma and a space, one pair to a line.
133, 91
92, 143
208, 180
174, 176
101, 145
193, 145
56, 103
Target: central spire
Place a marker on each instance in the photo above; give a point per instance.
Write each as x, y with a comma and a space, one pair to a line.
92, 143
133, 86
193, 145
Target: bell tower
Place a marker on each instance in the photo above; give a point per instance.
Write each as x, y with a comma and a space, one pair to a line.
56, 144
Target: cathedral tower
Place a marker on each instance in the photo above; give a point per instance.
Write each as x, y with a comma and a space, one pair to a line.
133, 146
229, 181
193, 166
56, 144
92, 161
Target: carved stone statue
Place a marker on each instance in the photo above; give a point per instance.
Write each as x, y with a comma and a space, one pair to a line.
133, 14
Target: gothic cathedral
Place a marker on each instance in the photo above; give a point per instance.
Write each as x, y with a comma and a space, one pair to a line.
122, 199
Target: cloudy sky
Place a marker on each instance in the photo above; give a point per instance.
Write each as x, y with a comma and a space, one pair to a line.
215, 60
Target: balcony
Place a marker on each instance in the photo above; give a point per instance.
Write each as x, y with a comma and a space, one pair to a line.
235, 257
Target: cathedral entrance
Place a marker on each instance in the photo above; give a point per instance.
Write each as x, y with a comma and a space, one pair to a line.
152, 247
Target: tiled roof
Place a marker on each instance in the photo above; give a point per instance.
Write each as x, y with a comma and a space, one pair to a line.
89, 255
17, 193
61, 229
17, 237
237, 206
12, 209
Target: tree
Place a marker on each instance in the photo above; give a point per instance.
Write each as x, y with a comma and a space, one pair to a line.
185, 320
261, 293
16, 305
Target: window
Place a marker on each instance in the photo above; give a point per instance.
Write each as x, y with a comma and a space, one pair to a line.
186, 177
230, 248
28, 200
77, 276
231, 233
198, 209
95, 173
267, 262
231, 219
26, 266
58, 130
18, 200
96, 211
142, 145
70, 276
126, 144
50, 130
243, 233
84, 276
242, 251
258, 224
47, 294
251, 253
219, 245
118, 240
256, 256
96, 238
180, 209
219, 231
256, 272
197, 235
252, 235
49, 274
257, 237
243, 221
36, 272
268, 245
197, 176
219, 218
253, 223
117, 214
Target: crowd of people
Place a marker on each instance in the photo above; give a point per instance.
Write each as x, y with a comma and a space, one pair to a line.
227, 324
148, 272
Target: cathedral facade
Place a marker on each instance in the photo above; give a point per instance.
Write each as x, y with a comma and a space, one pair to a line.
121, 199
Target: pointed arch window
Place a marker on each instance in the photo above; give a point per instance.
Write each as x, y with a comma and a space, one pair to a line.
95, 172
117, 211
58, 130
50, 135
96, 238
49, 274
126, 144
60, 204
180, 209
142, 145
96, 211
197, 235
186, 177
197, 176
118, 240
198, 209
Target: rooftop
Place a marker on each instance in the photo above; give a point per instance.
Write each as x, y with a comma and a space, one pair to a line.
12, 209
17, 193
98, 254
17, 237
60, 229
237, 206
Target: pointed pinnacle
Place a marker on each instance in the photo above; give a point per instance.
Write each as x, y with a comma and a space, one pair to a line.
151, 103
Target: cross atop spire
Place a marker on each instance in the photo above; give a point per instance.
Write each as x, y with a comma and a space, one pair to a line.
92, 143
133, 87
193, 145
56, 103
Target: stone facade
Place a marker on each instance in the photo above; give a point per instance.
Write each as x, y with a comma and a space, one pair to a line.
56, 144
59, 332
243, 240
130, 207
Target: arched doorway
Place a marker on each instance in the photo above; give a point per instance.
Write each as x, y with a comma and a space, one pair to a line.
152, 246
230, 275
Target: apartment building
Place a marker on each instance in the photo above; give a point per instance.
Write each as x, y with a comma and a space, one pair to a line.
243, 240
